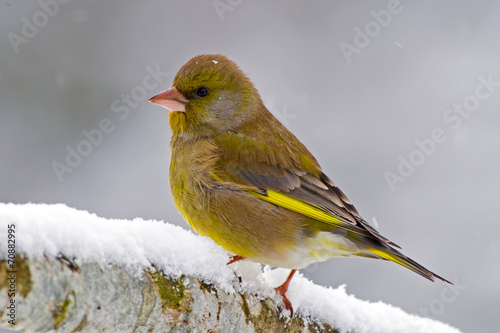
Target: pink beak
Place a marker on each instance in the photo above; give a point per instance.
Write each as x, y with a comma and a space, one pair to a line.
171, 100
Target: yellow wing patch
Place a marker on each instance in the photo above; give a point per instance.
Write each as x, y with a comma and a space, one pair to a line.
388, 256
306, 210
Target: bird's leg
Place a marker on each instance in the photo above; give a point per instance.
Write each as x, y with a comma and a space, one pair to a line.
283, 289
235, 259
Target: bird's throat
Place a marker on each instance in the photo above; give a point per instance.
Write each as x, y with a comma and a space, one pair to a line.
177, 121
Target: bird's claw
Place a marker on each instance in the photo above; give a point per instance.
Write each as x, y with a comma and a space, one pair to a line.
288, 305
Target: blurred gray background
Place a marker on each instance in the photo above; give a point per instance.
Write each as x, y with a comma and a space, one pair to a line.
65, 68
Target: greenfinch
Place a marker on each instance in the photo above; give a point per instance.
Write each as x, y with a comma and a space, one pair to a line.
238, 176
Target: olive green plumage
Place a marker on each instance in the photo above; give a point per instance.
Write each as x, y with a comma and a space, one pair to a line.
240, 177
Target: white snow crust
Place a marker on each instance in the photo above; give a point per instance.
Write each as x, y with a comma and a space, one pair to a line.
137, 244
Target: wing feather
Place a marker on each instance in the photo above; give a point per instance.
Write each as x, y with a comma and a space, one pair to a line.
288, 183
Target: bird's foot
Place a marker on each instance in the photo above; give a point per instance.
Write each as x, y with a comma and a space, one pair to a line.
234, 259
286, 301
281, 290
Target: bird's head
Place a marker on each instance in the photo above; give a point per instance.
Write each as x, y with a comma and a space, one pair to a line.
209, 95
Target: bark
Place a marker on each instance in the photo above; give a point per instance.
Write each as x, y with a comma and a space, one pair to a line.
53, 294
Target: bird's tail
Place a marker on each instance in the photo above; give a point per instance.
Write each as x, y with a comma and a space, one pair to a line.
399, 258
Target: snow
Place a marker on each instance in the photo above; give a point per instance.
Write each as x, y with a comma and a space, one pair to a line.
135, 245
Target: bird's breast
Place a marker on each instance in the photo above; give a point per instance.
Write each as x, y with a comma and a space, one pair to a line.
191, 169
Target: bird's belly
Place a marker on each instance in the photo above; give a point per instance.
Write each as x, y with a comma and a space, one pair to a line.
319, 247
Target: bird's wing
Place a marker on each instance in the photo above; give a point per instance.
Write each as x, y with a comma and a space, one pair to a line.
295, 183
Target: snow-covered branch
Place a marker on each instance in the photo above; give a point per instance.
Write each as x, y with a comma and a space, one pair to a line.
70, 271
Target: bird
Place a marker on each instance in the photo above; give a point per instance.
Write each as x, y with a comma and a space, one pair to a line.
240, 177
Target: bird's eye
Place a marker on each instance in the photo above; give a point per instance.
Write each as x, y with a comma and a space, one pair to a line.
202, 92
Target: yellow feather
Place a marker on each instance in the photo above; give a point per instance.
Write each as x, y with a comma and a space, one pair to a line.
388, 256
306, 209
